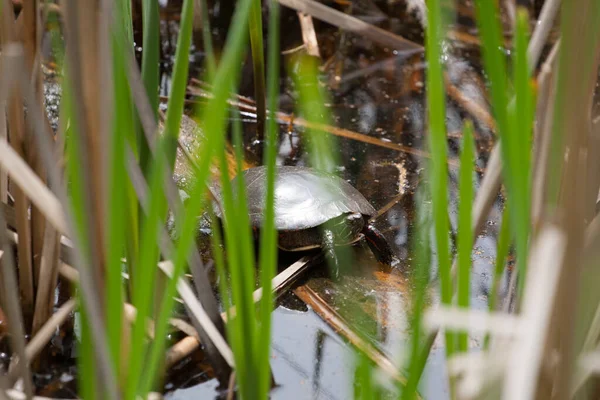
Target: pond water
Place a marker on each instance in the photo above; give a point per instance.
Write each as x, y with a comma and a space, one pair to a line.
376, 92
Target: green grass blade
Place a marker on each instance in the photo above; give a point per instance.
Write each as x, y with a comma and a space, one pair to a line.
268, 238
365, 388
179, 81
465, 234
311, 103
258, 64
238, 239
150, 72
521, 143
241, 328
86, 360
514, 121
421, 266
145, 274
116, 227
436, 107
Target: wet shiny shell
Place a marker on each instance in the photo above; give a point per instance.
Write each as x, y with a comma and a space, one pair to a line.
304, 198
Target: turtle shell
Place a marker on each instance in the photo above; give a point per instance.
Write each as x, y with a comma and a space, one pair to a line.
304, 198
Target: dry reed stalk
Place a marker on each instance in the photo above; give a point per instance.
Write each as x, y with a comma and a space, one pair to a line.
9, 301
31, 44
23, 176
542, 135
578, 66
3, 138
87, 285
83, 28
309, 36
353, 24
16, 126
48, 275
542, 30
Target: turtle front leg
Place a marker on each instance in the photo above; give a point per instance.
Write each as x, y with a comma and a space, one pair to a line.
330, 255
379, 245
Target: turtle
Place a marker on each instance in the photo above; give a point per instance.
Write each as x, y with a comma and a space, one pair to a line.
314, 210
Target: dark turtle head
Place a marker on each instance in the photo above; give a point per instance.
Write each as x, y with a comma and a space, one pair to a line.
346, 228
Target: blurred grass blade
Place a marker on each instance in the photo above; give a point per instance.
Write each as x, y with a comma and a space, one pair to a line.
145, 274
322, 147
438, 176
117, 227
421, 249
241, 329
258, 64
465, 234
514, 121
268, 237
150, 64
312, 108
365, 386
521, 141
179, 81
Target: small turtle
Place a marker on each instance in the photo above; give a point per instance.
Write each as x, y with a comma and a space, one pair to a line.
314, 210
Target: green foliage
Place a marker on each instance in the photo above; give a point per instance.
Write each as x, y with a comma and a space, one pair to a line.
179, 81
514, 119
268, 237
465, 231
438, 172
420, 279
150, 64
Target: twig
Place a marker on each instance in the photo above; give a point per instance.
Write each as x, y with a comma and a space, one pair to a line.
287, 119
16, 120
334, 320
355, 25
231, 386
18, 395
46, 331
309, 36
22, 175
188, 296
543, 133
280, 282
540, 35
9, 301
